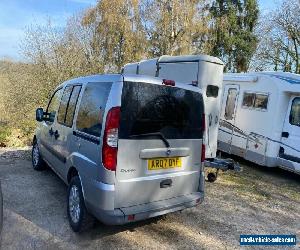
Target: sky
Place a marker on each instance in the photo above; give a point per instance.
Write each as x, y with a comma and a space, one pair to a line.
16, 15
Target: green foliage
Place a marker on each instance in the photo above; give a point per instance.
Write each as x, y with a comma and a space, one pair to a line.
234, 40
114, 32
4, 134
175, 27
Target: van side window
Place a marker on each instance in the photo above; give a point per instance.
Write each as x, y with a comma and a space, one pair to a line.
92, 107
261, 101
72, 106
255, 100
53, 105
212, 91
63, 105
295, 112
67, 105
230, 104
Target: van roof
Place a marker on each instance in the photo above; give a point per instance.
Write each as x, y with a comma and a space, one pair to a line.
125, 77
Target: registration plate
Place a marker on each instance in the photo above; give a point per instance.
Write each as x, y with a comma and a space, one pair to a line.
164, 163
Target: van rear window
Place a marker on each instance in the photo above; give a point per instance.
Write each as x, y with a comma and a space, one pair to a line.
150, 108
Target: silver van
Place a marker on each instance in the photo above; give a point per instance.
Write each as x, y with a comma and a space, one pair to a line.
129, 147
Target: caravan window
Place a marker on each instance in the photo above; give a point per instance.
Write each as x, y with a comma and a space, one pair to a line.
261, 101
230, 104
255, 100
248, 100
212, 91
295, 112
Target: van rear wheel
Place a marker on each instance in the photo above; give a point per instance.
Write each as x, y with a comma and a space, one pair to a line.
37, 161
79, 218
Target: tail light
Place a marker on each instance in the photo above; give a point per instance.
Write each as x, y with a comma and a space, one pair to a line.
203, 145
110, 139
203, 153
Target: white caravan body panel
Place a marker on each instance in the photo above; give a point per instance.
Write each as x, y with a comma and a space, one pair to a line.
266, 124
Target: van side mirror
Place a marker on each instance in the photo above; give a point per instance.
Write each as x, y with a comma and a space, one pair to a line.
39, 114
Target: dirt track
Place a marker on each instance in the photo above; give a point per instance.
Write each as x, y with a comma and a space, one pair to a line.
258, 201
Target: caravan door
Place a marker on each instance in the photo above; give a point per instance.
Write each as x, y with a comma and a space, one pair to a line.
227, 122
290, 146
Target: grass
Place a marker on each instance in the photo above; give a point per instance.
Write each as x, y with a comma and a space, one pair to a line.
15, 137
254, 184
5, 132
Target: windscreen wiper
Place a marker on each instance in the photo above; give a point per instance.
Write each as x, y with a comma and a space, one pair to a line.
157, 134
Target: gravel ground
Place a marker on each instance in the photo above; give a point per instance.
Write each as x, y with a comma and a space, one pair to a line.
256, 201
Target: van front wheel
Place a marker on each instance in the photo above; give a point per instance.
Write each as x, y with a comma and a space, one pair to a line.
37, 161
79, 218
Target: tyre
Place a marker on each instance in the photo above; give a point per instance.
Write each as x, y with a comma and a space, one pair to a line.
37, 161
211, 177
79, 218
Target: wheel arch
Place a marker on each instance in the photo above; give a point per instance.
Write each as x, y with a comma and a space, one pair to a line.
73, 171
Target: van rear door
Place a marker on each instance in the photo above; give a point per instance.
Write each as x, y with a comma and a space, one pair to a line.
160, 140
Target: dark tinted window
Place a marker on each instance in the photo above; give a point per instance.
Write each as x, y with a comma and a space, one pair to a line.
295, 112
230, 104
92, 107
64, 104
54, 104
212, 91
72, 106
248, 100
149, 108
261, 101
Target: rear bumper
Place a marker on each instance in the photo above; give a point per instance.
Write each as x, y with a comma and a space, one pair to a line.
149, 210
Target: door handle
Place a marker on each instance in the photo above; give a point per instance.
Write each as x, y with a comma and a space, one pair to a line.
285, 134
51, 132
56, 135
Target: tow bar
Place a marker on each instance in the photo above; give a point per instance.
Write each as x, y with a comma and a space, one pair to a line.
221, 164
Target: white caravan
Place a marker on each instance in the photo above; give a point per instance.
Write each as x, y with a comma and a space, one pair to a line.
260, 118
203, 71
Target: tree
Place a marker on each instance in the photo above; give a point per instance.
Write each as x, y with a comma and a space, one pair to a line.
118, 32
279, 45
175, 27
232, 32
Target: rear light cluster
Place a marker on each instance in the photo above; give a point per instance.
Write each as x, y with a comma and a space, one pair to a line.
110, 139
203, 141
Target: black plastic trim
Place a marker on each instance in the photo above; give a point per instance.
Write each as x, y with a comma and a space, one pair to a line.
87, 137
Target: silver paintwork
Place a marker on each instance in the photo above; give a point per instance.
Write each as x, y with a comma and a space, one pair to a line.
106, 192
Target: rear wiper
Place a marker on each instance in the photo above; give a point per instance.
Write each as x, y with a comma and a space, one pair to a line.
157, 134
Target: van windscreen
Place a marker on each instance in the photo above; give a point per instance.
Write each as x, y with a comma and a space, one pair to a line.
150, 108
